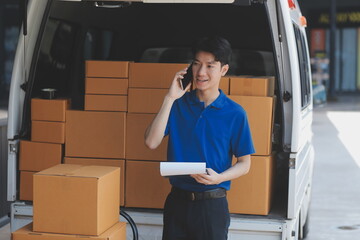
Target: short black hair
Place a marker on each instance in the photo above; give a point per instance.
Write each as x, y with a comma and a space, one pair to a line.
218, 46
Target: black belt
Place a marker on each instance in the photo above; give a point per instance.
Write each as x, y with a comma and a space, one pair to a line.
194, 196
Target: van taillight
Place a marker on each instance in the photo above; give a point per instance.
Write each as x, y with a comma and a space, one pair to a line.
291, 4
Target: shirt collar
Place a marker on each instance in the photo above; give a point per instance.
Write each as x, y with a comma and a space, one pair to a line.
218, 103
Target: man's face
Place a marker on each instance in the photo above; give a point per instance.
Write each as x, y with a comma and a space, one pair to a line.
207, 72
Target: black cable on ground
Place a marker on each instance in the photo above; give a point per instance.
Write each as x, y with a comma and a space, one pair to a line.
132, 224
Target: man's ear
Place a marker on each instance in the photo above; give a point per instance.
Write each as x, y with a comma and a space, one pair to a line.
224, 69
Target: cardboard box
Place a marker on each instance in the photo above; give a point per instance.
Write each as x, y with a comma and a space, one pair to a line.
106, 86
49, 110
37, 156
145, 100
153, 75
95, 134
260, 115
50, 132
103, 162
76, 199
252, 193
225, 85
145, 188
104, 69
112, 103
116, 232
26, 185
136, 126
252, 86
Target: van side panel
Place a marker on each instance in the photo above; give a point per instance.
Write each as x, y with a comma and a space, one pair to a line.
22, 63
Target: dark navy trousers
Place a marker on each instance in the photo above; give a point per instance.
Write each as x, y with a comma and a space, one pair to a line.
195, 220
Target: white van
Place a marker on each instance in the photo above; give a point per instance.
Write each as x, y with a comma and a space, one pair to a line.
268, 38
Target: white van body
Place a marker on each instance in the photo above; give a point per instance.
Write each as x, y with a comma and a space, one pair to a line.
292, 135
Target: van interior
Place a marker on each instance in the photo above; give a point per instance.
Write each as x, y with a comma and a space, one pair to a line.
74, 32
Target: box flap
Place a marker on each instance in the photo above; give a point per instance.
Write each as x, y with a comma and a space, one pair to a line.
73, 170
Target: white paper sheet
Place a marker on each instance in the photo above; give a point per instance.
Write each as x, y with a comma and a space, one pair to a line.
181, 168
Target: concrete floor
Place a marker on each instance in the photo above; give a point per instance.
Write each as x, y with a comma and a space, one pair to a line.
335, 207
5, 232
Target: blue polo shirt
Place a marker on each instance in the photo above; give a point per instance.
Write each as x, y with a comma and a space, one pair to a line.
212, 135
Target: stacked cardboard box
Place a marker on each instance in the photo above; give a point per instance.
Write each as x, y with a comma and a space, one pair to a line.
47, 141
97, 135
75, 202
251, 194
148, 85
106, 86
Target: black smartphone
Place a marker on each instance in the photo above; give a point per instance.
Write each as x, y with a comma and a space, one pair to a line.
188, 77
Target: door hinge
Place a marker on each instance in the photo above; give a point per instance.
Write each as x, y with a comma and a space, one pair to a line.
286, 96
292, 163
13, 148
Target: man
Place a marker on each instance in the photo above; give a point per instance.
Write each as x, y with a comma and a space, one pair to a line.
203, 126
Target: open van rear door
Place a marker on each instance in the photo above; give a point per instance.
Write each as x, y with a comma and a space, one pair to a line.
22, 63
301, 151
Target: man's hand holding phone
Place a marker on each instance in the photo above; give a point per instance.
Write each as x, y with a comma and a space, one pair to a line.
176, 89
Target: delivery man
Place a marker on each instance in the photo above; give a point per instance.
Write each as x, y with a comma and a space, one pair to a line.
203, 125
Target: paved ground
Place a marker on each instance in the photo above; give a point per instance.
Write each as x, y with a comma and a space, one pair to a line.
335, 208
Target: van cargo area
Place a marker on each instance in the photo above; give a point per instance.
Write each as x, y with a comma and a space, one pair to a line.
111, 66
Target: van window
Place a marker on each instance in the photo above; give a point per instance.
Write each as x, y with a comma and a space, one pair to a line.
303, 67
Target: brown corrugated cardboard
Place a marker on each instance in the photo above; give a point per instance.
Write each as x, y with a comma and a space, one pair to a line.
37, 156
46, 131
136, 124
251, 193
26, 185
103, 162
260, 115
95, 134
106, 86
153, 75
252, 86
145, 188
225, 85
116, 232
49, 110
76, 199
111, 103
107, 69
145, 100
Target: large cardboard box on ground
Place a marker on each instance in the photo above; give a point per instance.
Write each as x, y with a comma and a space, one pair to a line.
252, 86
252, 193
107, 69
259, 111
95, 134
135, 144
153, 75
103, 162
118, 86
145, 100
37, 156
116, 232
145, 188
46, 131
26, 185
76, 199
112, 103
49, 110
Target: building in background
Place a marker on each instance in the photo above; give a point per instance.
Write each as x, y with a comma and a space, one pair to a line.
347, 48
